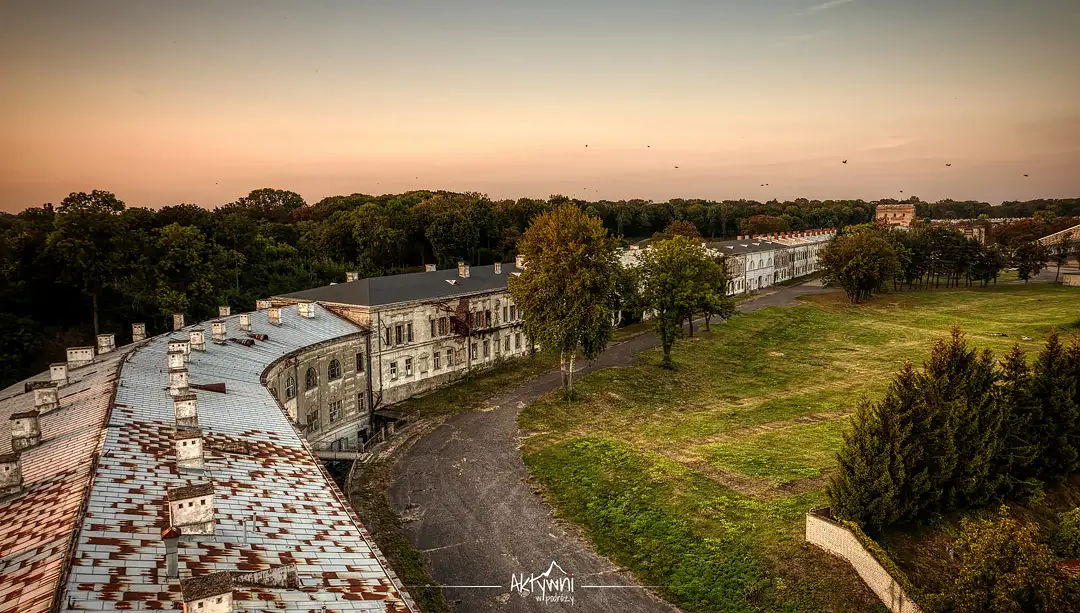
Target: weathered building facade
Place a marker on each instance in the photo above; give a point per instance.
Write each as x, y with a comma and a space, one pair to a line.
895, 215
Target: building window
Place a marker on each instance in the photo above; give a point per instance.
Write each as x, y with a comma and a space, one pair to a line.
444, 326
487, 318
506, 344
313, 421
273, 392
388, 335
433, 334
476, 319
360, 363
435, 361
513, 312
333, 371
487, 349
408, 367
498, 345
472, 354
517, 341
393, 370
449, 358
311, 379
359, 402
408, 330
290, 388
504, 314
398, 337
335, 411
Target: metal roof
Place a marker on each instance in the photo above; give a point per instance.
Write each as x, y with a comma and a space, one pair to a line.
261, 469
409, 287
36, 525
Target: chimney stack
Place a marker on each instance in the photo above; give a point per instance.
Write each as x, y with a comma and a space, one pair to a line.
46, 397
138, 332
273, 314
176, 359
58, 373
351, 276
106, 343
183, 346
224, 311
189, 449
211, 593
245, 322
186, 410
25, 430
171, 536
191, 508
429, 268
519, 262
178, 381
177, 321
10, 474
197, 339
306, 309
79, 356
463, 270
498, 268
217, 329
263, 304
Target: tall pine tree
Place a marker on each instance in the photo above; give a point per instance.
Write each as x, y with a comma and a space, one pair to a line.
1020, 436
866, 484
1054, 387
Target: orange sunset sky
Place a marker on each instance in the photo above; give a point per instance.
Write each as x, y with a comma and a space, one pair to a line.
169, 102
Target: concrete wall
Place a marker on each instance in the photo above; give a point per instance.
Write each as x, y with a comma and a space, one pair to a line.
838, 540
1072, 278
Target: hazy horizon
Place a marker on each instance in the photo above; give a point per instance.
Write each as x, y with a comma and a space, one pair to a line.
202, 102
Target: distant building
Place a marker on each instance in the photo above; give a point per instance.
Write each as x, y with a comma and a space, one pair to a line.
895, 215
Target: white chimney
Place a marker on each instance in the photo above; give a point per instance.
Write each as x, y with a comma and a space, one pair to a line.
463, 270
46, 398
498, 268
105, 343
183, 346
306, 309
519, 262
429, 268
177, 321
224, 311
79, 356
273, 314
245, 322
178, 381
25, 430
176, 359
189, 448
197, 339
10, 474
351, 276
191, 508
217, 329
186, 410
263, 304
138, 332
58, 373
211, 593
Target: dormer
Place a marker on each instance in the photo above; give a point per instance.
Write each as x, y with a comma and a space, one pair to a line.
273, 315
191, 508
46, 396
186, 410
197, 339
217, 330
58, 373
178, 381
25, 430
306, 309
79, 356
188, 444
11, 479
106, 343
245, 322
138, 332
211, 593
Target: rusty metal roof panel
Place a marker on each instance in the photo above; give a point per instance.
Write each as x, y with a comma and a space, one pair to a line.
36, 525
274, 502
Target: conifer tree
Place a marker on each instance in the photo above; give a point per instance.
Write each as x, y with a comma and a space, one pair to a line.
929, 449
1020, 439
1055, 388
865, 487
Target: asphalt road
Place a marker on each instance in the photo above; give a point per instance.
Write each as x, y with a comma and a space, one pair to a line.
463, 490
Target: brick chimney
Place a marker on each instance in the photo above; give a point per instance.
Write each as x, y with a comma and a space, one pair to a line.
519, 262
191, 508
186, 410
46, 397
498, 268
181, 345
177, 321
197, 339
245, 322
105, 343
79, 356
217, 330
211, 593
188, 443
273, 314
429, 268
175, 359
351, 276
306, 309
25, 430
263, 304
178, 381
138, 332
58, 373
463, 270
10, 474
224, 311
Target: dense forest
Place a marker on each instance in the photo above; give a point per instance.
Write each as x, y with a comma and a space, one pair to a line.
92, 263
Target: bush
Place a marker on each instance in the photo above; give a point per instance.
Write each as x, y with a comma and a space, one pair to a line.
1066, 541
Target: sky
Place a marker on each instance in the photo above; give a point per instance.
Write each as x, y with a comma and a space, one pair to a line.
201, 102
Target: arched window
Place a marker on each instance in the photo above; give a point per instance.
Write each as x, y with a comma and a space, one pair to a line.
333, 371
290, 388
311, 379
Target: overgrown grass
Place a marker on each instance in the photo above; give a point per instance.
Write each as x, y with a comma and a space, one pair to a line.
698, 479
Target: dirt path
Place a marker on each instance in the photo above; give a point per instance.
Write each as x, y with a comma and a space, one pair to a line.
465, 494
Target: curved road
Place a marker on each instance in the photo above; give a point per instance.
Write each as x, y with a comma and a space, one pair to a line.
464, 493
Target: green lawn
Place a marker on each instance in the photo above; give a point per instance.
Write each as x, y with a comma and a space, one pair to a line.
698, 479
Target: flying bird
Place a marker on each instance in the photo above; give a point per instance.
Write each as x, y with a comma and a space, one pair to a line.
1025, 175
676, 167
948, 164
844, 162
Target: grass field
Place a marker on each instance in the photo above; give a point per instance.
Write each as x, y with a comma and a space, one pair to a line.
699, 479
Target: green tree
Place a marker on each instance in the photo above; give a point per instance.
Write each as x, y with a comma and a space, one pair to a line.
869, 472
1059, 253
1054, 388
1029, 259
713, 300
567, 292
679, 227
1021, 440
860, 259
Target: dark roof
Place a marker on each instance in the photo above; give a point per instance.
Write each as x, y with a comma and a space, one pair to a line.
415, 286
191, 491
204, 586
25, 414
750, 246
183, 433
9, 457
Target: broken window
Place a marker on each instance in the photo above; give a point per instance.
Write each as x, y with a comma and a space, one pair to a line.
433, 333
435, 361
408, 367
472, 354
393, 370
360, 402
398, 336
335, 411
360, 363
333, 371
506, 344
290, 388
388, 335
311, 379
449, 357
517, 341
513, 312
487, 349
487, 318
504, 314
444, 326
313, 421
408, 330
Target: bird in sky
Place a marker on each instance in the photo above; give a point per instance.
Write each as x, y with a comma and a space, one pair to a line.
948, 164
676, 167
1025, 175
844, 162
648, 146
